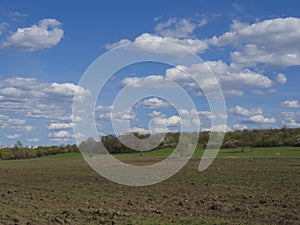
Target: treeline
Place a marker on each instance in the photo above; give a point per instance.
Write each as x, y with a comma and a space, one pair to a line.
19, 152
262, 138
232, 139
118, 145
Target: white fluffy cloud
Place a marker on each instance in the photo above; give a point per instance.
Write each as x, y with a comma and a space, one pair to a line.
8, 123
167, 121
154, 103
250, 55
253, 42
58, 126
139, 130
228, 77
33, 139
245, 79
178, 28
154, 43
281, 78
240, 127
154, 114
32, 98
205, 114
13, 136
241, 111
105, 113
102, 108
60, 134
291, 103
187, 121
11, 91
37, 99
273, 41
285, 33
290, 119
45, 34
232, 81
260, 119
157, 81
229, 93
218, 128
124, 115
27, 128
69, 90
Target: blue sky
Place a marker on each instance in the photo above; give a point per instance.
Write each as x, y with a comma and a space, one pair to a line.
45, 47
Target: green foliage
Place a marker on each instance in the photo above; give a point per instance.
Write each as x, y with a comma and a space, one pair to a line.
242, 139
262, 138
245, 139
26, 153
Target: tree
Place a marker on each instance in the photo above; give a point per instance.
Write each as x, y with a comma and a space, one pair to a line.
247, 139
91, 146
19, 144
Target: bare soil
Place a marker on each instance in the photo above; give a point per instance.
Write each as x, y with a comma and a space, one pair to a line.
230, 191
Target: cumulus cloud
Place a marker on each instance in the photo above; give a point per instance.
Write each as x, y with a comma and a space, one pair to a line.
33, 139
153, 43
232, 81
32, 98
229, 93
167, 121
291, 103
290, 119
205, 114
124, 115
60, 134
178, 28
218, 128
13, 136
250, 55
281, 78
253, 42
246, 78
8, 123
27, 128
159, 129
284, 31
157, 81
154, 114
240, 127
104, 108
45, 34
37, 99
11, 91
228, 77
105, 113
69, 90
58, 126
260, 119
117, 44
139, 130
281, 48
154, 102
241, 111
